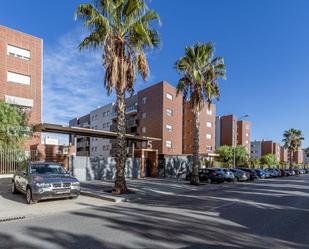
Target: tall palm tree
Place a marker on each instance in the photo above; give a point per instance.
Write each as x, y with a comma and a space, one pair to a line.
198, 84
292, 139
124, 30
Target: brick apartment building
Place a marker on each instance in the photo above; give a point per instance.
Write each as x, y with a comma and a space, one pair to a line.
298, 157
155, 111
232, 132
283, 154
161, 115
261, 148
21, 74
207, 129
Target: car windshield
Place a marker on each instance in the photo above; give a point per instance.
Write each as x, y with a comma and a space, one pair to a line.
46, 169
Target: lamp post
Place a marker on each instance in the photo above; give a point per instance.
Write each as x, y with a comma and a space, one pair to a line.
235, 140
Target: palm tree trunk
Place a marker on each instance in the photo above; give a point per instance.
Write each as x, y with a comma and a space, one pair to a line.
291, 159
196, 145
120, 183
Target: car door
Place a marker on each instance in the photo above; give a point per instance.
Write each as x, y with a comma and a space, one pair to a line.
24, 178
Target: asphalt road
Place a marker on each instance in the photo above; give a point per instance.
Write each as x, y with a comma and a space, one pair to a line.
268, 214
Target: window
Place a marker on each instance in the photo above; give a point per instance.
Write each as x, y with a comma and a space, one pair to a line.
143, 115
208, 136
168, 144
18, 78
18, 101
169, 112
209, 148
169, 128
247, 141
18, 52
144, 144
143, 129
105, 147
247, 134
144, 99
169, 96
209, 111
209, 124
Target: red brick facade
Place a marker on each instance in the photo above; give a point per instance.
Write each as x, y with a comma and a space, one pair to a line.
153, 104
207, 129
31, 67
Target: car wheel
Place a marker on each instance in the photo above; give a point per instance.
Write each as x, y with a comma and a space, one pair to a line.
74, 197
13, 188
29, 196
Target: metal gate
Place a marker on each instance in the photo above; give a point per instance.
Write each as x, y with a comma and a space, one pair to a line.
9, 160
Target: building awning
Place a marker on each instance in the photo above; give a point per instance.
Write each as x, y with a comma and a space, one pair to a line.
86, 132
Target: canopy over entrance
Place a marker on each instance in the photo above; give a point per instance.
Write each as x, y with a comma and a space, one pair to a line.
86, 132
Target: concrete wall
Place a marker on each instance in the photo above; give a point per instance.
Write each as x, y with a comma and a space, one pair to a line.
87, 169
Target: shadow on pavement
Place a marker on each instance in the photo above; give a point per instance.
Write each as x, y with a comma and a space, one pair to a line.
54, 239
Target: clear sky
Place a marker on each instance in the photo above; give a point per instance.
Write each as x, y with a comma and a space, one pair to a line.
265, 44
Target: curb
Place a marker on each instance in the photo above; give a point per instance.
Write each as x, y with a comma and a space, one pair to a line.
103, 197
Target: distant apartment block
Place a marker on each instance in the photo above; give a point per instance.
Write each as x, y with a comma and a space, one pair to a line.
256, 149
82, 144
261, 148
207, 129
21, 74
101, 119
232, 132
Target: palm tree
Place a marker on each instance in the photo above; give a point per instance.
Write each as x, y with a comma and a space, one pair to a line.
292, 141
198, 84
124, 30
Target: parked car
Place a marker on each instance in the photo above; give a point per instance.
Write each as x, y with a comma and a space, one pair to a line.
203, 175
260, 173
251, 172
228, 175
267, 173
240, 175
272, 172
283, 173
43, 180
287, 172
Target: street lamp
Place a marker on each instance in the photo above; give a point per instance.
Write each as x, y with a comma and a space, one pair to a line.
235, 140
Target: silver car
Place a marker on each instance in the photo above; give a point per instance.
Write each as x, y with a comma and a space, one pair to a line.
43, 180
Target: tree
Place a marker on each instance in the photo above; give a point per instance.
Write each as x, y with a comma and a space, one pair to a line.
124, 30
225, 155
292, 139
241, 156
269, 160
198, 84
13, 126
254, 162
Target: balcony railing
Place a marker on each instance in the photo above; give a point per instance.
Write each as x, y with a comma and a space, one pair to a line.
129, 110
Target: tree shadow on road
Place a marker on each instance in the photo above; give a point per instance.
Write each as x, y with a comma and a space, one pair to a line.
50, 238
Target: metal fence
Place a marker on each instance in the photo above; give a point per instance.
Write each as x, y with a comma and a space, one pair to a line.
10, 159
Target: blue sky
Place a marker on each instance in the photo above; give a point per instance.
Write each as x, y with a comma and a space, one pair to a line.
265, 44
